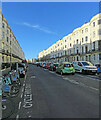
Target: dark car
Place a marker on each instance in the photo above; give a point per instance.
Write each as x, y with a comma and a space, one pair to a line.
53, 66
21, 70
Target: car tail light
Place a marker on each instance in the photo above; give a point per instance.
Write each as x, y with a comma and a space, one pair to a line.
63, 66
54, 65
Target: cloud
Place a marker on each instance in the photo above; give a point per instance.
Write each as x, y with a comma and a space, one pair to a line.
38, 27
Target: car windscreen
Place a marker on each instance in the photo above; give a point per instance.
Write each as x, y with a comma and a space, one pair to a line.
87, 64
56, 65
68, 65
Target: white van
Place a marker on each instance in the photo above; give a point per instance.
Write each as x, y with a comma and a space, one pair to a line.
84, 67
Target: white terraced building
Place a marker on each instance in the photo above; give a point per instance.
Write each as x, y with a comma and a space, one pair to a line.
84, 44
10, 50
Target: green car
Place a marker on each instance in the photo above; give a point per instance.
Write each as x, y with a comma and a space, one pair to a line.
65, 67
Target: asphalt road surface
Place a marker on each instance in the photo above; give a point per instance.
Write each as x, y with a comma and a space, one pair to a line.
46, 94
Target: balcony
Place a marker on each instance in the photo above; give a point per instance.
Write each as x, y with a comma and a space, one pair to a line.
2, 51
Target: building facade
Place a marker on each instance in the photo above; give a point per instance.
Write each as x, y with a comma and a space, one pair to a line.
83, 44
10, 50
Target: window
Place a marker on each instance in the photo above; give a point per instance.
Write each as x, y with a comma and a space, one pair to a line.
82, 31
7, 39
82, 40
82, 50
79, 64
70, 45
94, 34
86, 30
65, 46
99, 32
10, 35
99, 21
86, 38
2, 58
7, 31
65, 40
86, 58
94, 56
100, 56
77, 41
3, 25
99, 45
70, 51
86, 49
3, 34
65, 52
93, 24
93, 45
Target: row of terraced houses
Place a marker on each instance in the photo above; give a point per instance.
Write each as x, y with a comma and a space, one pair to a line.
83, 44
10, 50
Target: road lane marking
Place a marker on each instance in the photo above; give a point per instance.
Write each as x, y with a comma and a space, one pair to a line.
25, 77
32, 77
72, 81
51, 72
79, 83
29, 116
21, 95
23, 85
96, 79
22, 89
19, 105
59, 75
17, 117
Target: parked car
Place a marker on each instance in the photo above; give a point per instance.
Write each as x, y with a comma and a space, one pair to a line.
47, 65
84, 67
65, 67
53, 66
98, 68
21, 70
43, 65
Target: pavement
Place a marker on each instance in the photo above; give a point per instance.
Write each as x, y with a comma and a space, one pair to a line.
46, 94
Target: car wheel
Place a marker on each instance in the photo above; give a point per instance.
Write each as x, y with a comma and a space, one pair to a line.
83, 71
73, 73
61, 72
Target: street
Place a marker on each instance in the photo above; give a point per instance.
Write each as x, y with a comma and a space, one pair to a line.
46, 94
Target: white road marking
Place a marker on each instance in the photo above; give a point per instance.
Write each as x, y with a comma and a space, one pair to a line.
17, 117
29, 116
72, 81
25, 77
51, 72
87, 77
94, 88
32, 76
21, 95
59, 75
22, 89
19, 105
23, 85
79, 83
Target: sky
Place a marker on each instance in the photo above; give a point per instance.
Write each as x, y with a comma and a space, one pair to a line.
38, 25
